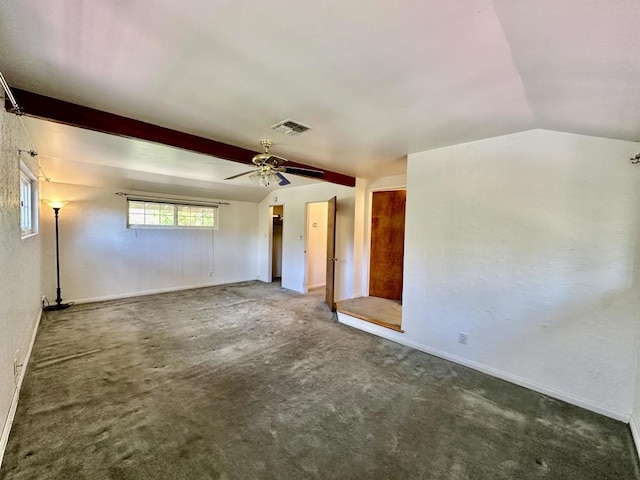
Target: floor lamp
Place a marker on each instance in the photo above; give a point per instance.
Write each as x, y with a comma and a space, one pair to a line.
57, 205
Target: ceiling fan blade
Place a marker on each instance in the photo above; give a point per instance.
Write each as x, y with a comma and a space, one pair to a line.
305, 172
283, 180
239, 175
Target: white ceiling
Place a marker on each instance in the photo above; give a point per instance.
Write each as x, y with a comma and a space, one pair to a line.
375, 80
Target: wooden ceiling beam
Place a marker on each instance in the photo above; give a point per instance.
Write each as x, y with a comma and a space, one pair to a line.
59, 111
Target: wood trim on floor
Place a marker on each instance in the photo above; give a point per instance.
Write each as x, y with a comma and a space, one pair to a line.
345, 311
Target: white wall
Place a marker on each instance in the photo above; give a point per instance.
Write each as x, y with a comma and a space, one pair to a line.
100, 258
19, 264
359, 228
316, 244
294, 201
529, 243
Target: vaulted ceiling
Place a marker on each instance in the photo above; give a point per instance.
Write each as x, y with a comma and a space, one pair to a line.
375, 80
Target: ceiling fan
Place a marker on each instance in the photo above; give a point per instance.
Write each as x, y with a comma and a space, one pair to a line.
270, 168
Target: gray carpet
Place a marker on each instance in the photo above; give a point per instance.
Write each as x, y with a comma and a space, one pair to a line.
254, 381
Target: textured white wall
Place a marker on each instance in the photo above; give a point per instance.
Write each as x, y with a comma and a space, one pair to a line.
294, 201
19, 261
101, 258
316, 244
530, 244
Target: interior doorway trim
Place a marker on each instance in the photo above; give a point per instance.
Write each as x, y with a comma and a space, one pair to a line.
269, 277
308, 247
367, 233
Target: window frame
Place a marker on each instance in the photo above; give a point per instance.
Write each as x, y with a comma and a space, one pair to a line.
28, 202
162, 206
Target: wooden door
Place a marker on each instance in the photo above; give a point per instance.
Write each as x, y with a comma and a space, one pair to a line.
387, 244
331, 254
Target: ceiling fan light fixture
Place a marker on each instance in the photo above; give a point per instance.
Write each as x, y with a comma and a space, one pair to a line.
261, 158
263, 177
270, 168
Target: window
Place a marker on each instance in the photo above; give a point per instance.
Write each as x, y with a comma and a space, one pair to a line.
171, 215
194, 216
28, 218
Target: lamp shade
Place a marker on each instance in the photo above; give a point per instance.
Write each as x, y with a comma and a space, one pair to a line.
56, 203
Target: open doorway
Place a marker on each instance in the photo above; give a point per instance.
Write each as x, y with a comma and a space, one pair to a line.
277, 222
383, 305
316, 246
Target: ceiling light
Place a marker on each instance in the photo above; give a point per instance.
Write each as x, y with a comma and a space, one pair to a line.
263, 177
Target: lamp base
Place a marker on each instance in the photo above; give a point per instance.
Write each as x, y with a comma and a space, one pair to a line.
57, 306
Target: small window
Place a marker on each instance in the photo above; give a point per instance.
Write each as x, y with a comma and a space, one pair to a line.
171, 215
193, 216
28, 214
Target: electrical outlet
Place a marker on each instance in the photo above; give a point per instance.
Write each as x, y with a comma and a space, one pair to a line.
211, 273
462, 338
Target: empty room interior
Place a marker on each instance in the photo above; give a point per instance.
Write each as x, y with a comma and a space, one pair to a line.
341, 240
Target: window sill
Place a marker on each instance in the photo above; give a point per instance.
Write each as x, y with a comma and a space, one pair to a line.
167, 227
28, 235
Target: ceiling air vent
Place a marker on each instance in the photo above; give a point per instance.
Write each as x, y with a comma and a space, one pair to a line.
290, 127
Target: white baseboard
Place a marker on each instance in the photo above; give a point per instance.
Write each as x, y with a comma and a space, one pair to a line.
6, 429
635, 434
118, 296
401, 338
311, 287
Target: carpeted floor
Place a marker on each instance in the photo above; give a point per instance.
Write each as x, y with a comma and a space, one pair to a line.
252, 381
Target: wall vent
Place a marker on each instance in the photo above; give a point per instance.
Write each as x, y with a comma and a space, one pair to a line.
290, 127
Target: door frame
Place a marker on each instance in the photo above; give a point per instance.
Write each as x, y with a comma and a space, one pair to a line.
269, 277
332, 227
367, 233
306, 241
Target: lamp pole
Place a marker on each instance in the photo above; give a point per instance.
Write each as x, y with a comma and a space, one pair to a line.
59, 305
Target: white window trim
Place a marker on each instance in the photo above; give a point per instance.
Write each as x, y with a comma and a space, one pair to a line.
175, 226
27, 176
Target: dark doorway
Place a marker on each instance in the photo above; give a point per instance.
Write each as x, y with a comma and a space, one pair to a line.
276, 243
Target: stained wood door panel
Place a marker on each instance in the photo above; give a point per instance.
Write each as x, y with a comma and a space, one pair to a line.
387, 244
